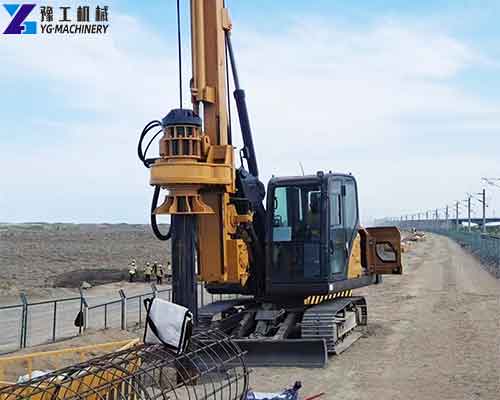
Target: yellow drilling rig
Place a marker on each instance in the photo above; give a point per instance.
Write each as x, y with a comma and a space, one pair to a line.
294, 252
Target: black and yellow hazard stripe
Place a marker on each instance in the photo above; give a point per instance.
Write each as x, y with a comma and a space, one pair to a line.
311, 300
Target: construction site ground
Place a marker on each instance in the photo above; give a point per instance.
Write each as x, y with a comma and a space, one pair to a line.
433, 333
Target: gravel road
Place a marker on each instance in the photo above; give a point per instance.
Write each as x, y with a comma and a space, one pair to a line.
434, 333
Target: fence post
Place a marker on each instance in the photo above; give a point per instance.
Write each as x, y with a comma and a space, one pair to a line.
498, 257
54, 321
140, 310
24, 321
123, 310
84, 309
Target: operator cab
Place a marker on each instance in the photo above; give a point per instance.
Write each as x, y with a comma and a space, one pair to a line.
312, 224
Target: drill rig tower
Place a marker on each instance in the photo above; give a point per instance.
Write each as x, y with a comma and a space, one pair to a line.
295, 259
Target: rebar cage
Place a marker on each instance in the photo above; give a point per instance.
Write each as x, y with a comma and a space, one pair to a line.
212, 367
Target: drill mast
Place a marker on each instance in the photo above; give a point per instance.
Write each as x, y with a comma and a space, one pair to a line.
196, 166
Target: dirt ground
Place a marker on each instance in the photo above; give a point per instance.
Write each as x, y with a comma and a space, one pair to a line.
434, 333
34, 258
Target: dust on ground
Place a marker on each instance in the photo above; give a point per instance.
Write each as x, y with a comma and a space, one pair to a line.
35, 258
433, 333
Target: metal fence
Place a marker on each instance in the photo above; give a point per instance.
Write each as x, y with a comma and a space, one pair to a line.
32, 323
127, 312
485, 246
11, 318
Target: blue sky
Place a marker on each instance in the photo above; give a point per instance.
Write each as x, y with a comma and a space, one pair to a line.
403, 94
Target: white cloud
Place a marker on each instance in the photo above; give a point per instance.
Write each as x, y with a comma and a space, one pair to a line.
331, 97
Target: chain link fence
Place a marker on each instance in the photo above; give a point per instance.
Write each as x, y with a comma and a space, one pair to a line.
485, 246
10, 320
33, 323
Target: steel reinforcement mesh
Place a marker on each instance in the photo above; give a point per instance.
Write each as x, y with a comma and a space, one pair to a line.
212, 367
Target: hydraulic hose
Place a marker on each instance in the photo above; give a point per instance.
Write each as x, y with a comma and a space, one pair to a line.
147, 163
154, 223
142, 154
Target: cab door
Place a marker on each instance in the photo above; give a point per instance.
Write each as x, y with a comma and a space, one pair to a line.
382, 250
337, 233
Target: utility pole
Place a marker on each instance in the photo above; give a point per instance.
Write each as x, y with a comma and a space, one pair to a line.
484, 210
437, 218
456, 214
447, 225
468, 212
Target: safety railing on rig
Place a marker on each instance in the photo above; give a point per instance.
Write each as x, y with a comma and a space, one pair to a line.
31, 323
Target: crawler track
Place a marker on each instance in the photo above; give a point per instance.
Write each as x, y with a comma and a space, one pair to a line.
334, 321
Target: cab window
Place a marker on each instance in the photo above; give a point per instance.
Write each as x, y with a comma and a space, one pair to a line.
296, 233
335, 204
337, 234
296, 214
350, 208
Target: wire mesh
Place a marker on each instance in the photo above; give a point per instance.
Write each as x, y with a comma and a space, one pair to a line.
50, 320
11, 319
485, 247
39, 324
212, 367
165, 294
66, 313
136, 313
104, 316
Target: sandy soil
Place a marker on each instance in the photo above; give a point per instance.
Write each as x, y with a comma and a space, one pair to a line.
34, 256
433, 333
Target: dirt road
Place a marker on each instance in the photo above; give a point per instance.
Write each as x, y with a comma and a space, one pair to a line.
433, 333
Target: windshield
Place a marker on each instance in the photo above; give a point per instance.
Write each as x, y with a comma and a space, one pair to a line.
296, 233
296, 213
